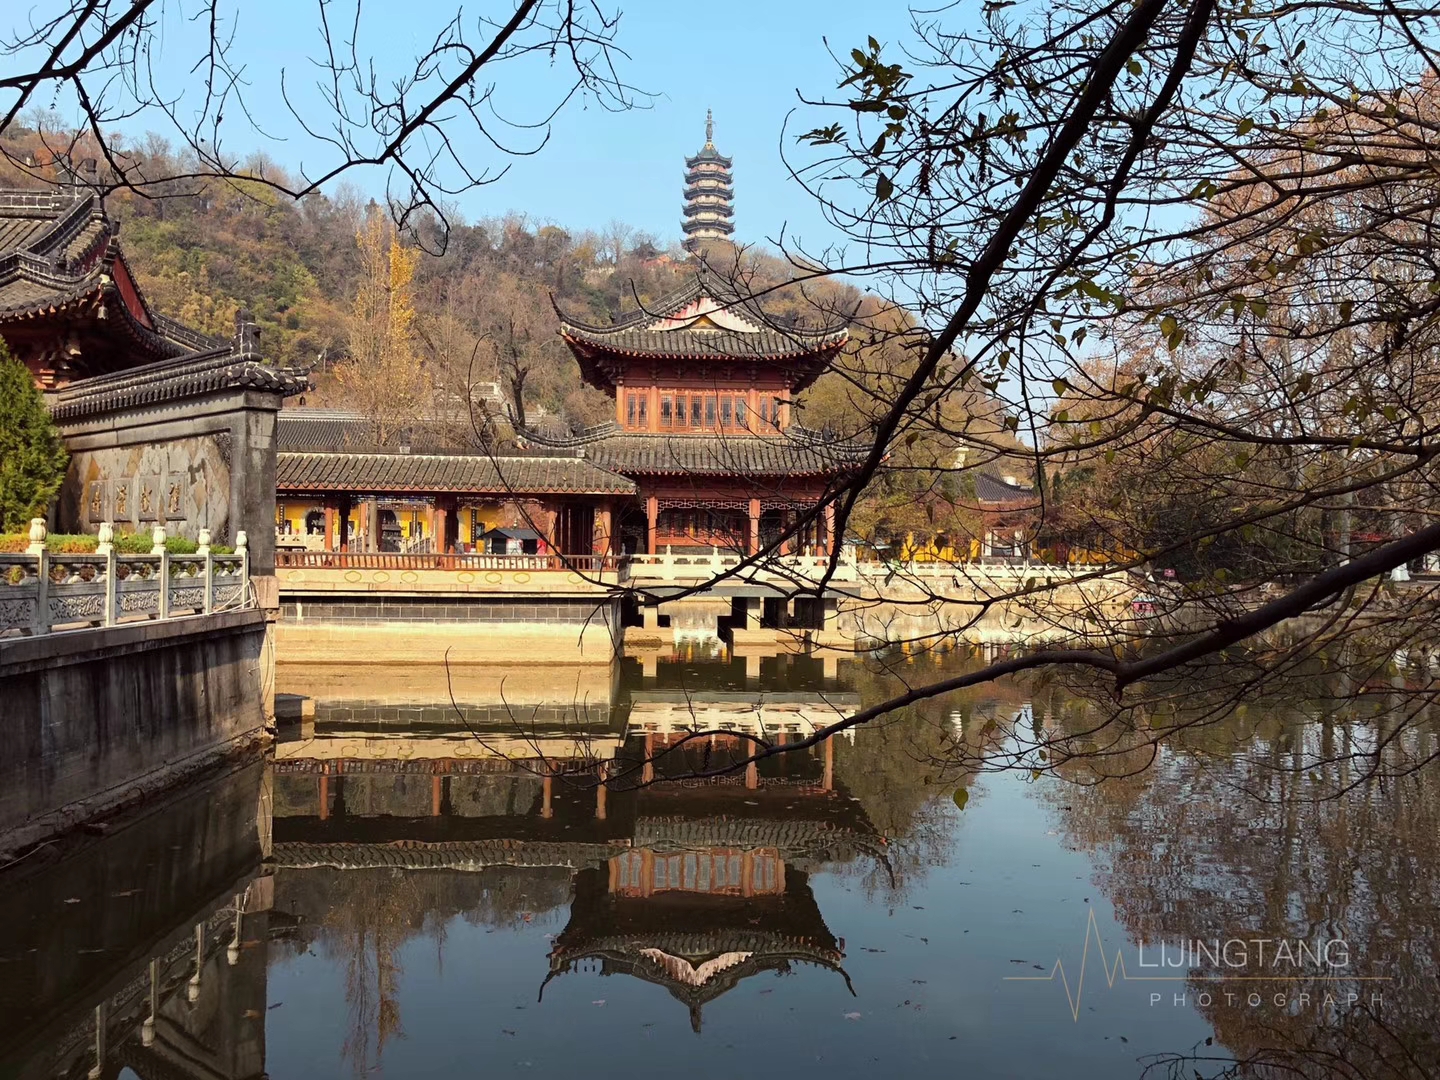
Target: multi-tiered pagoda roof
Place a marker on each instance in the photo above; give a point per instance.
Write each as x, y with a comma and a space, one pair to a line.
709, 335
707, 321
709, 193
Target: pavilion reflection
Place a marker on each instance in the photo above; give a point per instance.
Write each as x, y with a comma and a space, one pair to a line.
676, 869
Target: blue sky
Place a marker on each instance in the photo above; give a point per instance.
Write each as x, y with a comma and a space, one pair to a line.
743, 59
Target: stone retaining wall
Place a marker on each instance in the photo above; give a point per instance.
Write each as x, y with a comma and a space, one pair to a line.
95, 719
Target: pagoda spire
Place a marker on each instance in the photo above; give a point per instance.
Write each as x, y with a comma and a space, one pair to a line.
709, 193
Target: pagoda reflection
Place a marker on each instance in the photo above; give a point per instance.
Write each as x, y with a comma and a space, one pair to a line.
680, 866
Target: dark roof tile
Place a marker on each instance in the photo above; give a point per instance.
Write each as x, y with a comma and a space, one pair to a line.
470, 473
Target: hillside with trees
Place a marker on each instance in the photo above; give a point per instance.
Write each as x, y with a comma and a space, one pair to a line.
442, 320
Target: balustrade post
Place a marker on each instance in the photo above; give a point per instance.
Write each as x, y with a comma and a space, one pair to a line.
157, 547
40, 621
242, 548
164, 584
112, 566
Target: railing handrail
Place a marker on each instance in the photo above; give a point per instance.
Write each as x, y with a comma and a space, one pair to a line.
41, 590
392, 560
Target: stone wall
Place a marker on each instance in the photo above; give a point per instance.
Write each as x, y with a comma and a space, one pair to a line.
369, 628
97, 718
372, 609
188, 465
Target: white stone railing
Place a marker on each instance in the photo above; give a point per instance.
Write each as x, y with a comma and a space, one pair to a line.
42, 592
1010, 573
694, 565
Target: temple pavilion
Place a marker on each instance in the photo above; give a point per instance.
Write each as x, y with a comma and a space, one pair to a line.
704, 382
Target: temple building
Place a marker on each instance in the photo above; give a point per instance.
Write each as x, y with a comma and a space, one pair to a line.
709, 193
69, 304
704, 382
165, 426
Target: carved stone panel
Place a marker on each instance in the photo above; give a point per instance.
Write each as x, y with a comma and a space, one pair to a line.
123, 502
97, 501
184, 483
175, 490
148, 494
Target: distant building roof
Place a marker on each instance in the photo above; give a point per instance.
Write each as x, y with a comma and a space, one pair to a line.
993, 489
395, 474
513, 533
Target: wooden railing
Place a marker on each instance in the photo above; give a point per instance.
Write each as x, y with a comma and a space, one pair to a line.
41, 592
387, 560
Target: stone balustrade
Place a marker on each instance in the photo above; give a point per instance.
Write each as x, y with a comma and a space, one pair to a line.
43, 592
690, 565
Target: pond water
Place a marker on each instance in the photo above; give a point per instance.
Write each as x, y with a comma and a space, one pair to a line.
424, 879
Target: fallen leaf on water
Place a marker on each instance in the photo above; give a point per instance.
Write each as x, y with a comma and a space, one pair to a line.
601, 1001
506, 1031
277, 1005
73, 900
852, 1016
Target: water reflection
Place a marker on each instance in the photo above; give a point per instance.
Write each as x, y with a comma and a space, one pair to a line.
144, 951
687, 883
511, 867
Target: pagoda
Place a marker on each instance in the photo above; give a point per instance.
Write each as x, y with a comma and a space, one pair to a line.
704, 382
709, 193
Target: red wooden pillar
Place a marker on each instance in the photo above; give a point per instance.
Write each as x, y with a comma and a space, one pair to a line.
752, 775
830, 763
753, 546
546, 810
647, 770
602, 793
652, 516
343, 522
605, 536
437, 792
830, 544
329, 523
787, 545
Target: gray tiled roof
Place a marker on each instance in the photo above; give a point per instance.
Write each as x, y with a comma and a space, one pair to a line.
991, 489
170, 380
796, 452
705, 283
472, 473
331, 430
57, 246
765, 344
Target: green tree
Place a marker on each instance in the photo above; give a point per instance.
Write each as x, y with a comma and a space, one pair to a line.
32, 457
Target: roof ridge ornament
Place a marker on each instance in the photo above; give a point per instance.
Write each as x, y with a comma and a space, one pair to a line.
709, 130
